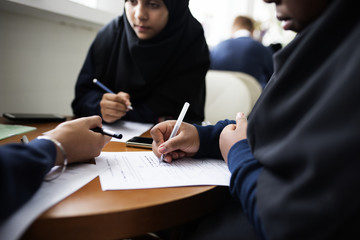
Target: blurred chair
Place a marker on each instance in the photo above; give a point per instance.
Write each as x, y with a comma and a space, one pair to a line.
228, 93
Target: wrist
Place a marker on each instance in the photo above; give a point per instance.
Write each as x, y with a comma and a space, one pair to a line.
61, 158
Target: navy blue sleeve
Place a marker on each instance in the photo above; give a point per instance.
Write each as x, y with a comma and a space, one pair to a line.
245, 170
87, 94
209, 139
22, 170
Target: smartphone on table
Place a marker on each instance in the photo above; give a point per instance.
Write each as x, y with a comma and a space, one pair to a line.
141, 142
34, 117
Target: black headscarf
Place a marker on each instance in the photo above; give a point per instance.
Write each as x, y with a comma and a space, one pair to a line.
162, 72
305, 130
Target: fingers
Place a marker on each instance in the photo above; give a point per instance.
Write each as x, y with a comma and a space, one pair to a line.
171, 145
185, 144
96, 121
93, 121
173, 156
162, 131
84, 122
233, 133
230, 127
114, 106
119, 101
240, 118
125, 99
159, 133
88, 123
115, 101
110, 115
241, 124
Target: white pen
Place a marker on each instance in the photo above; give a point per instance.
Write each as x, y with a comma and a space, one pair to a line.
177, 125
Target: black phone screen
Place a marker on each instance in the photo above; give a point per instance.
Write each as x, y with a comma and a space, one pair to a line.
144, 142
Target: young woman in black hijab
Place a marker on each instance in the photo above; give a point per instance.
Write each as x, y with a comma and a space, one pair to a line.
295, 163
153, 57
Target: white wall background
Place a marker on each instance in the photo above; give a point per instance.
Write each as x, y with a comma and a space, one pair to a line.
41, 53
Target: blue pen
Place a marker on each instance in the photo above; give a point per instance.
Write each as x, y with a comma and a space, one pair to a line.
103, 87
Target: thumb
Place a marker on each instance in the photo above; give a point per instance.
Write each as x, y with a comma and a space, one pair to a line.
240, 119
170, 145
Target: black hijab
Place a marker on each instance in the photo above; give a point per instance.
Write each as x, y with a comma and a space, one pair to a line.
162, 72
305, 130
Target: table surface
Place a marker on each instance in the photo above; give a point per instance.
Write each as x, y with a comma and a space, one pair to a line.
95, 214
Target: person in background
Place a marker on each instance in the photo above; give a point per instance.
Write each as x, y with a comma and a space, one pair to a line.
24, 166
295, 162
154, 57
242, 53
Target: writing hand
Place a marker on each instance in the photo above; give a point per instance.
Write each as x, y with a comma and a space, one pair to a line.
185, 144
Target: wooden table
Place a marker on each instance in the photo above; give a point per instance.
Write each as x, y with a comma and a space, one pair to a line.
91, 213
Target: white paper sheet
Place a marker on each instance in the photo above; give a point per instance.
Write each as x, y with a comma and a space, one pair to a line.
128, 129
50, 193
136, 170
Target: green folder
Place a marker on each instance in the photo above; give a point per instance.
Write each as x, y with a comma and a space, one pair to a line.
9, 130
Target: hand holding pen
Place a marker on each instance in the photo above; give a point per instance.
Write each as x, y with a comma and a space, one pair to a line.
175, 139
107, 132
177, 124
113, 106
106, 89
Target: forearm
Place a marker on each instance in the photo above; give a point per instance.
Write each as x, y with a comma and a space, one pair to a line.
245, 170
209, 139
23, 168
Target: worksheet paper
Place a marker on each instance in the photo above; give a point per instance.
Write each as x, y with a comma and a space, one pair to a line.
137, 170
128, 129
50, 193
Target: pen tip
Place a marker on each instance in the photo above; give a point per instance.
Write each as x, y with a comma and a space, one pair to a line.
95, 80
